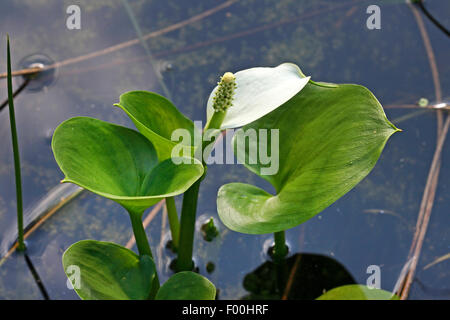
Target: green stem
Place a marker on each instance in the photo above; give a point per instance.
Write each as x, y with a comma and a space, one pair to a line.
216, 120
280, 249
280, 252
281, 275
188, 212
143, 245
173, 221
15, 144
189, 209
140, 235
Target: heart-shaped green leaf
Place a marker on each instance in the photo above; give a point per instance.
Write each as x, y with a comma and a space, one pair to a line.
106, 271
119, 163
187, 285
330, 137
259, 91
357, 292
157, 118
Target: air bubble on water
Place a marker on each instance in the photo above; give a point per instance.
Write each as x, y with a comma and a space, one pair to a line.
41, 80
269, 243
163, 66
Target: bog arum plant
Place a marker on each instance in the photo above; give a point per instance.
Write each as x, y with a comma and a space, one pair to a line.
331, 137
111, 272
120, 164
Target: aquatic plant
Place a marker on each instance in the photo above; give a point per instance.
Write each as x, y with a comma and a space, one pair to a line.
120, 164
111, 272
331, 137
15, 145
237, 100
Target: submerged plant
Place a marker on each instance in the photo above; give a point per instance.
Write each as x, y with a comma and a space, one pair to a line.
331, 137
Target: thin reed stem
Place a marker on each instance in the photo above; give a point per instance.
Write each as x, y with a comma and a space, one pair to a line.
15, 145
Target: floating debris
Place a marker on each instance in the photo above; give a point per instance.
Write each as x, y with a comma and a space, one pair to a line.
36, 214
387, 212
437, 260
210, 267
209, 230
423, 102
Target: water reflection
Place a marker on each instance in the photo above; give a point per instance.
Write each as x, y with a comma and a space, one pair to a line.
306, 277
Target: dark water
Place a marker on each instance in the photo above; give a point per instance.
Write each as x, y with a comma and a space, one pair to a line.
371, 225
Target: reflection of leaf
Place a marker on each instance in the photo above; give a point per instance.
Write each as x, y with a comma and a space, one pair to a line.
187, 286
259, 91
329, 139
357, 292
118, 163
108, 271
308, 275
156, 118
437, 260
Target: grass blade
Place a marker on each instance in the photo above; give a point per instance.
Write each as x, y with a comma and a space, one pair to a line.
12, 119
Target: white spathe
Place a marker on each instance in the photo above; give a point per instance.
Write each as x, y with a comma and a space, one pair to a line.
259, 91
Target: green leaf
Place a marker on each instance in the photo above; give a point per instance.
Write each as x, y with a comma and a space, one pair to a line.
157, 118
330, 138
357, 292
108, 271
187, 285
119, 163
259, 91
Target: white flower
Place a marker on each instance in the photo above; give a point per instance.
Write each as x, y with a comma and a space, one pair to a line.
258, 92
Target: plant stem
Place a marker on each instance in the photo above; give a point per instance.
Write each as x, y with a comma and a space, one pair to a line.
173, 221
15, 144
280, 252
281, 275
139, 234
189, 209
143, 245
280, 249
188, 212
215, 121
